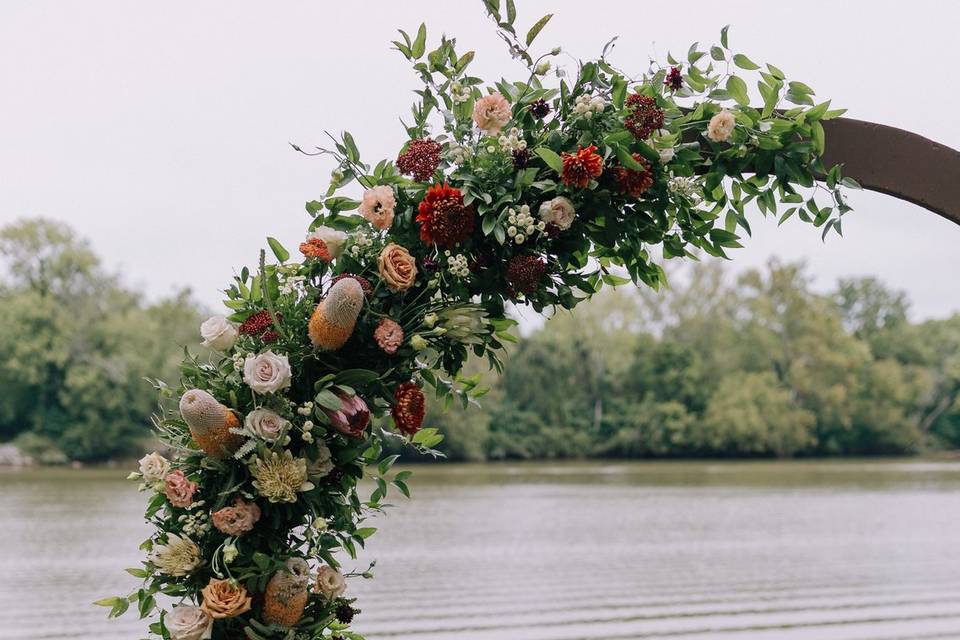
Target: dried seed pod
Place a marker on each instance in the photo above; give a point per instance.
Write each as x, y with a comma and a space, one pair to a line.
286, 595
210, 423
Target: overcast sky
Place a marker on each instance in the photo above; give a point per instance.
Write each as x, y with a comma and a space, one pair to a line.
159, 130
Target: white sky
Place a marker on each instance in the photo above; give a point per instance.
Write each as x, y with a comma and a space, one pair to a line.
159, 130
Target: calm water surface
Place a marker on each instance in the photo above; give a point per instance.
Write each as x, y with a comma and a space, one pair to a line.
740, 551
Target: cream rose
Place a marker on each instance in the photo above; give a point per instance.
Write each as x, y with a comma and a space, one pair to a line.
154, 467
491, 113
219, 333
322, 464
378, 205
559, 212
333, 238
222, 599
330, 582
267, 372
721, 126
186, 622
265, 424
397, 267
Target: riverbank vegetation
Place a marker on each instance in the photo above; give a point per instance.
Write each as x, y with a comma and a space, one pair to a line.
759, 365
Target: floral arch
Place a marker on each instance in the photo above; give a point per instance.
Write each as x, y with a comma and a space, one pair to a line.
540, 190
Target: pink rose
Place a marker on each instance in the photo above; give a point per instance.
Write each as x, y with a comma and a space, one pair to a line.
378, 205
491, 113
238, 519
178, 489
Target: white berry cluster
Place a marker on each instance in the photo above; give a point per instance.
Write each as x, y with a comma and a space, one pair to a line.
305, 409
457, 264
307, 428
458, 93
362, 244
684, 187
512, 141
292, 285
586, 106
522, 224
460, 154
195, 524
238, 360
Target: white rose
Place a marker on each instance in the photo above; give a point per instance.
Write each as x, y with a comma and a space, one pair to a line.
333, 238
330, 582
154, 467
265, 424
322, 464
186, 622
666, 155
218, 332
721, 126
267, 372
559, 212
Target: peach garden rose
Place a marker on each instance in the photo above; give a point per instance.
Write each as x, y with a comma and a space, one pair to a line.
397, 267
223, 599
721, 126
491, 113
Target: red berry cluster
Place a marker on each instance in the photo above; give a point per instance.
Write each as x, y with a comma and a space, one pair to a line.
421, 159
644, 118
260, 325
525, 272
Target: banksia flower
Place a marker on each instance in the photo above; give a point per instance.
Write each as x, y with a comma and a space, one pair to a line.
286, 595
580, 167
210, 423
332, 322
421, 159
364, 283
408, 408
644, 118
634, 183
525, 272
444, 219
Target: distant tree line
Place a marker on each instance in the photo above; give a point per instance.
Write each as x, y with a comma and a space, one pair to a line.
759, 365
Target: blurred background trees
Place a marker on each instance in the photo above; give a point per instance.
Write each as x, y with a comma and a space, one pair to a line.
759, 365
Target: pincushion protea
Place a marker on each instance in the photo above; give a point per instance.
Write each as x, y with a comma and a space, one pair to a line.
286, 595
332, 322
210, 423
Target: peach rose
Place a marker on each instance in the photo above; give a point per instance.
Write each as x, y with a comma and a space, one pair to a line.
397, 267
378, 205
559, 212
178, 489
238, 519
491, 113
721, 126
221, 599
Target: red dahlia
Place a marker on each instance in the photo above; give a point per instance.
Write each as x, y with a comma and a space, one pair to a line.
444, 219
259, 325
634, 183
525, 272
409, 407
421, 159
644, 118
579, 167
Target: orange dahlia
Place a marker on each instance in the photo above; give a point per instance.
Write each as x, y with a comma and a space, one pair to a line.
580, 167
632, 182
444, 219
408, 408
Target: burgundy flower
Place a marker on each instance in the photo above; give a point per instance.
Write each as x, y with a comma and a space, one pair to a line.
260, 325
444, 219
644, 118
674, 79
525, 272
421, 159
520, 158
539, 108
353, 416
409, 407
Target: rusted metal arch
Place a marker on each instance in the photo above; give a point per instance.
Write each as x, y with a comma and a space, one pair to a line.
896, 162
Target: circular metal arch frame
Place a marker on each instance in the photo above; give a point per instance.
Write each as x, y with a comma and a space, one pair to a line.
896, 162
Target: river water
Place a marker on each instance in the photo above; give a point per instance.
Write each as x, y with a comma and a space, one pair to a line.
848, 550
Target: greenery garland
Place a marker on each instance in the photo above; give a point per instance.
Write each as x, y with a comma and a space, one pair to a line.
517, 193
